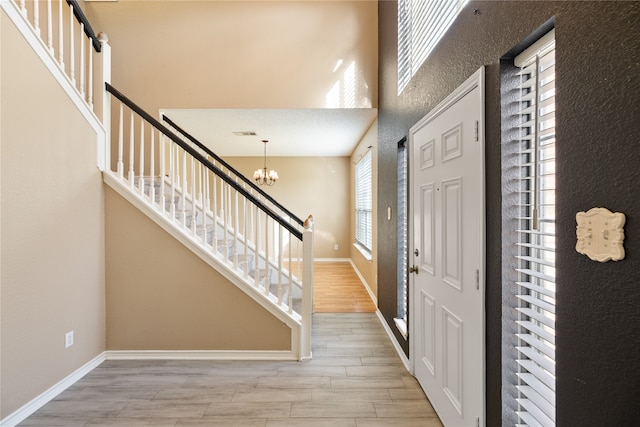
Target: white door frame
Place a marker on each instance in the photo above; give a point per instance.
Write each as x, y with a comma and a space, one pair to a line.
474, 81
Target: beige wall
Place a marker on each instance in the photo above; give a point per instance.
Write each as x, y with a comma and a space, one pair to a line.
238, 54
161, 296
52, 229
311, 185
368, 268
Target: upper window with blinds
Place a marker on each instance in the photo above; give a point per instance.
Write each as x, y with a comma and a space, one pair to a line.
421, 25
535, 391
364, 203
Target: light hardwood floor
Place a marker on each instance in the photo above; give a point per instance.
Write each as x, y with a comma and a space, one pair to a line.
354, 379
338, 289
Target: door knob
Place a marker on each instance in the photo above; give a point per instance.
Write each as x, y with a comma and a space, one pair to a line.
413, 269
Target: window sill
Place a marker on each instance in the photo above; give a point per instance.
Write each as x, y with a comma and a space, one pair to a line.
401, 324
365, 253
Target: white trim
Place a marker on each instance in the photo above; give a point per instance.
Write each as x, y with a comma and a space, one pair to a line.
364, 282
366, 254
392, 337
199, 355
401, 324
26, 410
332, 259
540, 47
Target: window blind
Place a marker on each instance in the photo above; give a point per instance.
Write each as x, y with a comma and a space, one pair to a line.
536, 285
421, 25
403, 237
364, 202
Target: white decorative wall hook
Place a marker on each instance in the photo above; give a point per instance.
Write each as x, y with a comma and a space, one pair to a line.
600, 234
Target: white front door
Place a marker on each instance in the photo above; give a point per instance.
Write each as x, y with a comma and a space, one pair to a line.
447, 255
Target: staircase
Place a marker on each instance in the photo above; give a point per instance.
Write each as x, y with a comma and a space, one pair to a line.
221, 216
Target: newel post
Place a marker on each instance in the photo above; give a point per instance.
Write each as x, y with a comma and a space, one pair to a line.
102, 103
307, 289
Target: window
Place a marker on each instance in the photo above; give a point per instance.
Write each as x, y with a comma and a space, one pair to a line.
403, 236
535, 254
421, 25
364, 203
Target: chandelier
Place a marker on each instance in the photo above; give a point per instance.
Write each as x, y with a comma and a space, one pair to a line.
261, 176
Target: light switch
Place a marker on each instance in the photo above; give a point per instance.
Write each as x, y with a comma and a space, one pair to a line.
600, 234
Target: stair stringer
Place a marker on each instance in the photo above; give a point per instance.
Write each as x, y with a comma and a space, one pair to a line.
268, 302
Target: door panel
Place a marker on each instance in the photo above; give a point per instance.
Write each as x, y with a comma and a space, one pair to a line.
447, 228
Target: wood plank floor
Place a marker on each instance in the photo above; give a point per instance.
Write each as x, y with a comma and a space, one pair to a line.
355, 379
338, 289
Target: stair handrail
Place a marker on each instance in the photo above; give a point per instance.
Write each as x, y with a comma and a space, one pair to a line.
88, 30
196, 155
231, 169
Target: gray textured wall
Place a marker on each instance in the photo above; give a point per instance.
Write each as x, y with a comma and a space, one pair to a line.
598, 131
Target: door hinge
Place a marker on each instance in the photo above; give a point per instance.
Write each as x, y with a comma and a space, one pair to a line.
477, 131
478, 279
477, 421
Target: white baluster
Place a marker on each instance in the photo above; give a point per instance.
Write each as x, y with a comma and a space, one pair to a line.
193, 196
267, 263
280, 266
200, 185
172, 163
72, 48
256, 242
184, 189
177, 166
224, 207
152, 161
162, 172
60, 36
235, 229
82, 60
23, 8
90, 90
207, 196
49, 27
290, 286
120, 167
245, 215
214, 208
131, 148
141, 164
36, 17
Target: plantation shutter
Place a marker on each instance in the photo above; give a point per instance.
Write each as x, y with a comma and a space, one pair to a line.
536, 388
364, 202
421, 24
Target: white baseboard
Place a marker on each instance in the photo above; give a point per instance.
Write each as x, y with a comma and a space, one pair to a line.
364, 282
44, 398
394, 341
198, 355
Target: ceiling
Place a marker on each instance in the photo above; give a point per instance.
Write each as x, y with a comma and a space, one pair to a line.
318, 132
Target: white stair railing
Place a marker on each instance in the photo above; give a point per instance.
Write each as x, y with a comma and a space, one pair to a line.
218, 210
66, 34
78, 59
197, 192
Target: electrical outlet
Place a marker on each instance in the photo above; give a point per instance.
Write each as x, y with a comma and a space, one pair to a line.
68, 339
335, 247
